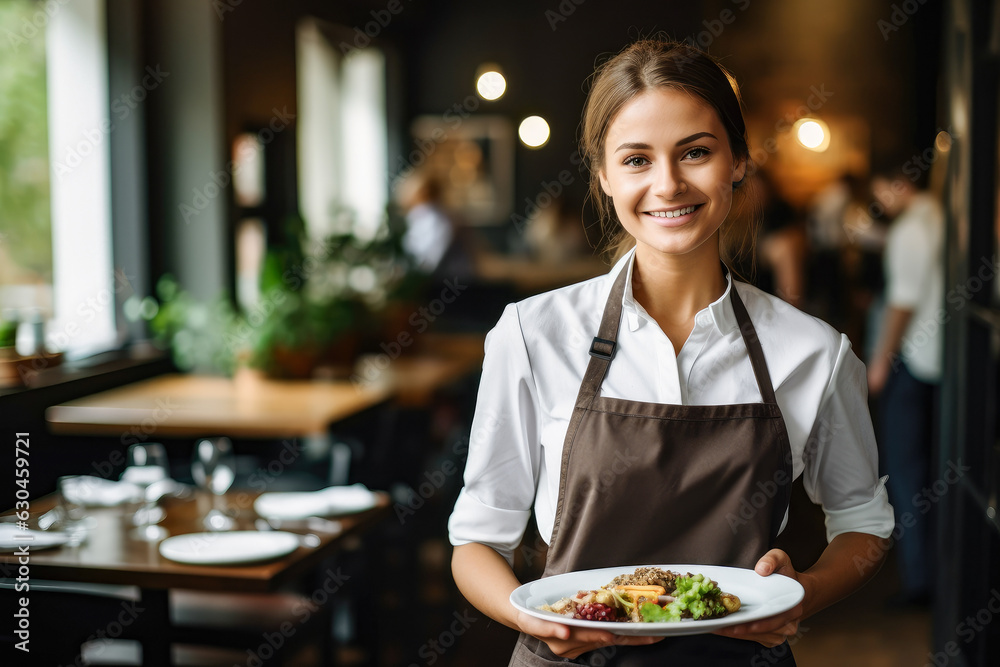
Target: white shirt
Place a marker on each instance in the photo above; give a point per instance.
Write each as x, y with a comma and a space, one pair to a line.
914, 267
428, 235
536, 356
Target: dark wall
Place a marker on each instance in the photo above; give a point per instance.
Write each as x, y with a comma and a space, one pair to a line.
546, 49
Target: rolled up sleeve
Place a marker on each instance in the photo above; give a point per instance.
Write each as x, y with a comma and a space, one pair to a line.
504, 451
474, 521
841, 457
871, 517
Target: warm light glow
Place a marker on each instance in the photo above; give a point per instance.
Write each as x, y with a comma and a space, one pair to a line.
942, 142
491, 85
534, 131
813, 134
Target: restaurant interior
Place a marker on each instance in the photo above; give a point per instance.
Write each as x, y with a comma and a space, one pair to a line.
255, 247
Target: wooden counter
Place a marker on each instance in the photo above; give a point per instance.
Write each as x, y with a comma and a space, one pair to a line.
252, 406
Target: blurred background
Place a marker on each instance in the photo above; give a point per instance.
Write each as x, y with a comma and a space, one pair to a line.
309, 191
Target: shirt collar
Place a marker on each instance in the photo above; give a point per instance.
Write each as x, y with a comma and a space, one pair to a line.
720, 310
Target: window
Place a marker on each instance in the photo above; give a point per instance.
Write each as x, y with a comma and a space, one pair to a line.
342, 136
25, 230
55, 221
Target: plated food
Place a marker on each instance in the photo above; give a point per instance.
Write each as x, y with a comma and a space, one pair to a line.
760, 597
648, 595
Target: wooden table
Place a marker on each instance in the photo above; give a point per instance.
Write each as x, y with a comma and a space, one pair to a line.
252, 406
111, 556
191, 406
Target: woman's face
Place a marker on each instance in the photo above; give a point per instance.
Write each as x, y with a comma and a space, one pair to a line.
669, 171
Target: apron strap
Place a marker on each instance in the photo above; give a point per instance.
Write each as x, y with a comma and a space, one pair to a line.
602, 349
753, 346
760, 372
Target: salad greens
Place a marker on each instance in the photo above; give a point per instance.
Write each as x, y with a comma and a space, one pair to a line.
694, 597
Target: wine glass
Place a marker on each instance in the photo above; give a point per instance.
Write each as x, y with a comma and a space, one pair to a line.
213, 467
70, 515
147, 469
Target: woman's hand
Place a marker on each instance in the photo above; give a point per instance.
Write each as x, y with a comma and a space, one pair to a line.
776, 629
571, 641
486, 580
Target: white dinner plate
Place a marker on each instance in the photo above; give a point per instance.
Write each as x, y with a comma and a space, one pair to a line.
759, 596
331, 501
235, 548
13, 538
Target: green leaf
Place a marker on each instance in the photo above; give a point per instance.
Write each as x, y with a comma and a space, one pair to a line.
694, 596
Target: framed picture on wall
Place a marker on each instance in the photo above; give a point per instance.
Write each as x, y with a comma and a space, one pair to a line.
471, 159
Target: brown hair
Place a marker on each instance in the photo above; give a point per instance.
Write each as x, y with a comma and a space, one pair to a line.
650, 64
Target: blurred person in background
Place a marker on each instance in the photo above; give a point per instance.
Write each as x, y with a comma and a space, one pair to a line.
863, 264
432, 237
782, 250
906, 368
555, 234
825, 228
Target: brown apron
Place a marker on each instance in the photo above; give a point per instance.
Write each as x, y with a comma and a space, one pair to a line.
649, 483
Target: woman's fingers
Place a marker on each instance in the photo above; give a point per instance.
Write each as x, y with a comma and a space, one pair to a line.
767, 631
775, 629
536, 627
775, 561
571, 642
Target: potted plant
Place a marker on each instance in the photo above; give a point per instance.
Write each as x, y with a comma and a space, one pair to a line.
325, 298
196, 332
320, 300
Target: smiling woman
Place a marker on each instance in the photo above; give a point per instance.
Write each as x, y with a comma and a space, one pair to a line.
699, 391
640, 88
666, 186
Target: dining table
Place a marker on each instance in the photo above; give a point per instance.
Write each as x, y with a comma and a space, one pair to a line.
249, 405
112, 554
187, 406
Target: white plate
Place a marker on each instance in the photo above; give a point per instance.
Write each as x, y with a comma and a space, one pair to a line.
759, 596
235, 548
331, 501
13, 538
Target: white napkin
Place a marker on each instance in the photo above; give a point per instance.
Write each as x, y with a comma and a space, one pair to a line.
91, 491
330, 501
13, 538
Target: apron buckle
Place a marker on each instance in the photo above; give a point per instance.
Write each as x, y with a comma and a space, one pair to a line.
603, 349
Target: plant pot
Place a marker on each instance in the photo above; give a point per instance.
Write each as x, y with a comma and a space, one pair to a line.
333, 360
